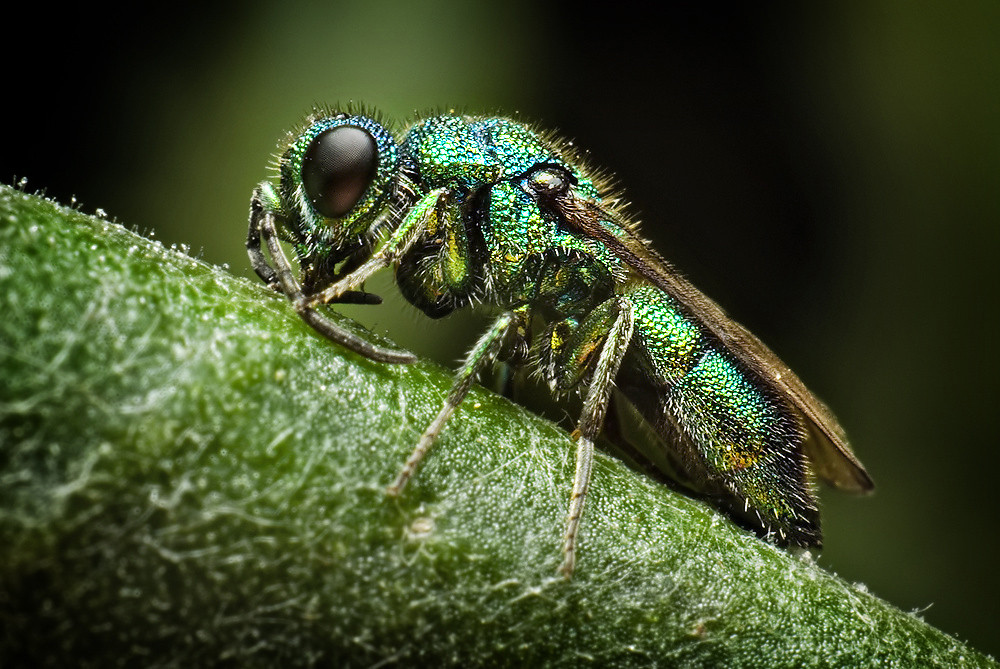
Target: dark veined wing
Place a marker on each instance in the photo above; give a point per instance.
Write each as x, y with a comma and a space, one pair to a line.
827, 448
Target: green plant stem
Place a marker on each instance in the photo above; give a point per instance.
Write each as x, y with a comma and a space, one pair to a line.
189, 474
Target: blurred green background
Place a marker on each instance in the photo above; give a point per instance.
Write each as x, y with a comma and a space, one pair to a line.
829, 175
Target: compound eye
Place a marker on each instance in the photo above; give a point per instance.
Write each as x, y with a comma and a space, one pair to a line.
337, 168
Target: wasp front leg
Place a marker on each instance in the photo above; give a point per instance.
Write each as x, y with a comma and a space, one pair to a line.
414, 226
263, 199
573, 349
264, 215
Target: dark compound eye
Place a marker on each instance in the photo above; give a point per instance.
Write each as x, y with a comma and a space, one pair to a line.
337, 168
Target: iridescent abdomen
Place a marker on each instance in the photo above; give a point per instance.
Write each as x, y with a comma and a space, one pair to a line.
729, 427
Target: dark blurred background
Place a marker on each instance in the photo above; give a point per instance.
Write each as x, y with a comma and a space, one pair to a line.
829, 175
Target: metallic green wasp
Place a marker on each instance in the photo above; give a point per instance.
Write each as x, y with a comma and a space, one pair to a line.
489, 211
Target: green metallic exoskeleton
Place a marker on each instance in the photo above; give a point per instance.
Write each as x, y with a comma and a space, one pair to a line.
488, 211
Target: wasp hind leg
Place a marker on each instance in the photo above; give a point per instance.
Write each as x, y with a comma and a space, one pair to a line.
616, 338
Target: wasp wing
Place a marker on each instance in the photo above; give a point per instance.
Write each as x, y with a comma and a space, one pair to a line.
827, 447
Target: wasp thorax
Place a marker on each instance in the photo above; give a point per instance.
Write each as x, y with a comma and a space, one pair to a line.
337, 168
